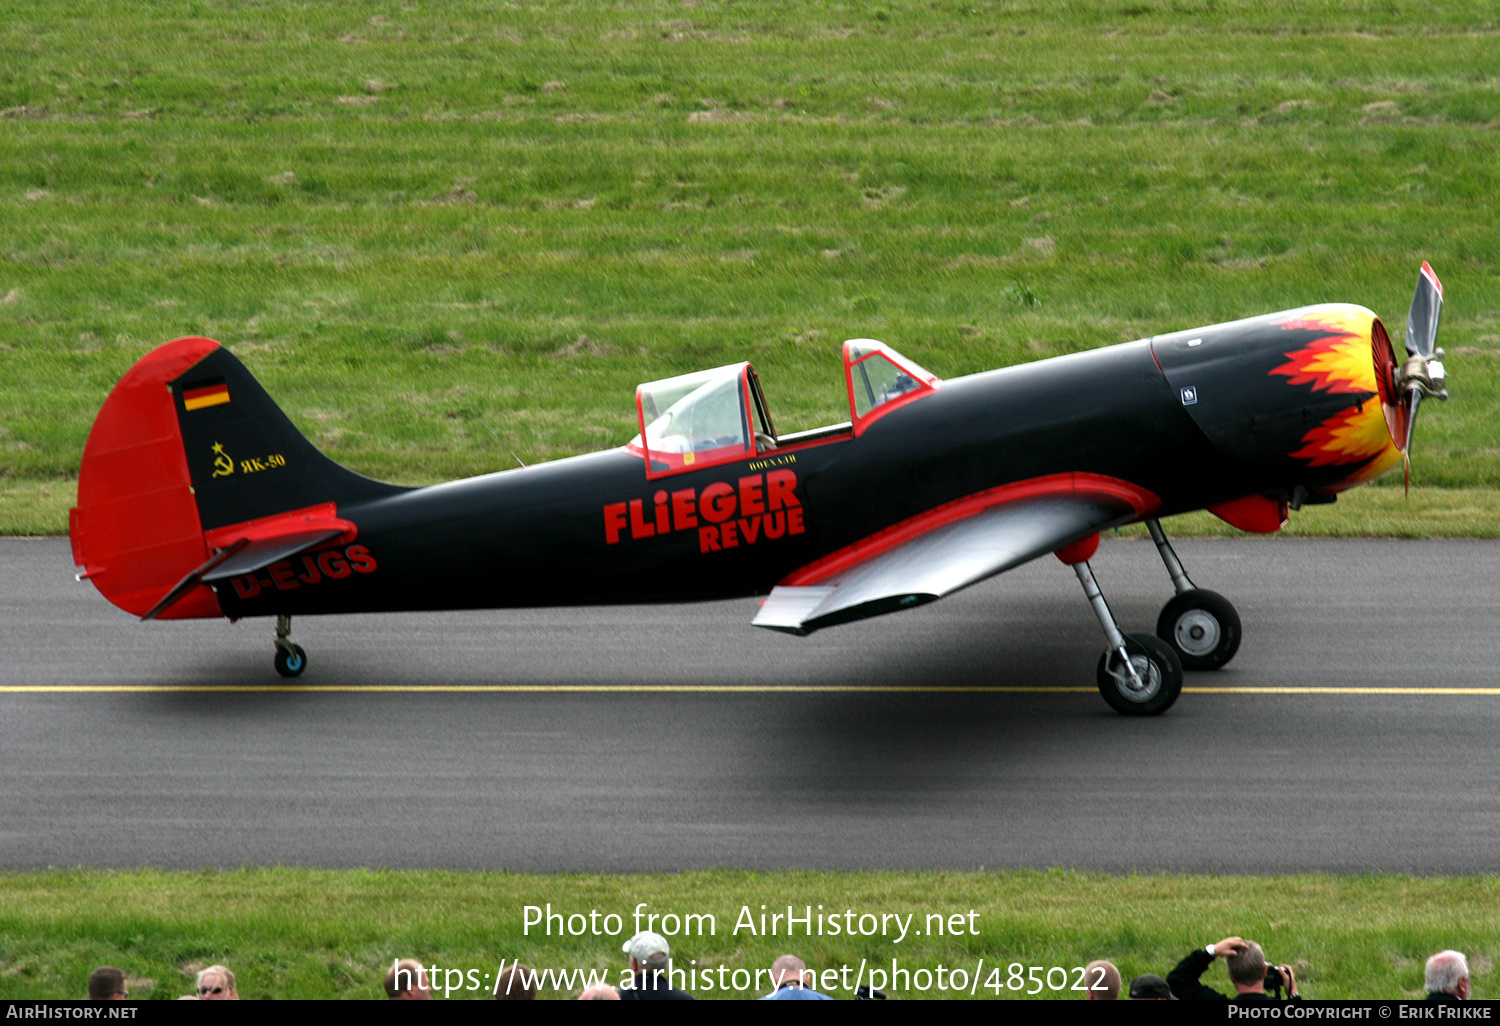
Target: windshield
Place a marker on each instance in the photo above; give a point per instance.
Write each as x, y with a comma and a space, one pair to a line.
877, 381
881, 379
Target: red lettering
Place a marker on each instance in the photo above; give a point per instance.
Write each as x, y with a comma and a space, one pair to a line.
717, 502
638, 526
727, 537
750, 529
662, 526
779, 493
364, 563
750, 500
708, 538
332, 564
683, 516
794, 520
311, 576
281, 574
246, 587
614, 522
775, 524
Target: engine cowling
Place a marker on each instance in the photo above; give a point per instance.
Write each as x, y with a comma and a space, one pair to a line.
1303, 400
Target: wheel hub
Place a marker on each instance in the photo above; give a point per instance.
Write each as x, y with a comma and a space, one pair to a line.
1148, 672
1197, 632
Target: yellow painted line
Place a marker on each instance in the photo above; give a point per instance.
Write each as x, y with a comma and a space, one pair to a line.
683, 689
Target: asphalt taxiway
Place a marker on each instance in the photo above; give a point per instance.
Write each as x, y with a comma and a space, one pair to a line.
1356, 730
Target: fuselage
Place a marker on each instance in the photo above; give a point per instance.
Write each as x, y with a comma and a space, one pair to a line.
1289, 405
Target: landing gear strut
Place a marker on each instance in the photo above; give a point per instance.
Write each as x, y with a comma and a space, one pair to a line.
290, 660
1138, 674
1200, 626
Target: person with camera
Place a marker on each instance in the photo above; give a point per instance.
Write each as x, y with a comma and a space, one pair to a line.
1253, 979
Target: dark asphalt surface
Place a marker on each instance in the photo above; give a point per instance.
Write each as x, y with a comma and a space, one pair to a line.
623, 782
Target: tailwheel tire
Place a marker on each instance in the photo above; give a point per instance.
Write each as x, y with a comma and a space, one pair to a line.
291, 660
1202, 628
1157, 666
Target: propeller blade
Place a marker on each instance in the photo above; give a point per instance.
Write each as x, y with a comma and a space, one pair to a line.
1412, 402
1422, 320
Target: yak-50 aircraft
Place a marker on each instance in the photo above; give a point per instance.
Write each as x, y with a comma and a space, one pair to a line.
197, 497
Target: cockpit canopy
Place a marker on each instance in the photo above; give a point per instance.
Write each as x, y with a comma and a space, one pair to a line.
702, 419
719, 416
879, 380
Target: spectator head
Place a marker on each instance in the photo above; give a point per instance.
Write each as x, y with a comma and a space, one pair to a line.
406, 980
1108, 985
216, 983
1150, 987
789, 970
107, 983
1448, 973
647, 951
599, 992
518, 983
1247, 968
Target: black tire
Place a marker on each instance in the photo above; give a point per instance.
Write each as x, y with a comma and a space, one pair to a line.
1202, 628
1156, 663
290, 661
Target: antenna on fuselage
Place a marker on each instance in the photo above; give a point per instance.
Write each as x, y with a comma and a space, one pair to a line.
507, 448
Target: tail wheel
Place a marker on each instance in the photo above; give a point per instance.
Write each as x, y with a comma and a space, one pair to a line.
1202, 628
1157, 667
290, 660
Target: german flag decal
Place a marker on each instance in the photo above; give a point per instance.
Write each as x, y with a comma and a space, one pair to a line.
201, 396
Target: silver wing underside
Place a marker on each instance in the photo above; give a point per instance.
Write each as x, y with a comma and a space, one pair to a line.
942, 561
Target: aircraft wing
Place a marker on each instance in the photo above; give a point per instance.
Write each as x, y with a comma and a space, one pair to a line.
921, 567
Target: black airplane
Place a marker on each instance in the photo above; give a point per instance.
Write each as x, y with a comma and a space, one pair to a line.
198, 498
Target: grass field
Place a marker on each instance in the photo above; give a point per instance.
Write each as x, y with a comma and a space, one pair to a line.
312, 934
433, 229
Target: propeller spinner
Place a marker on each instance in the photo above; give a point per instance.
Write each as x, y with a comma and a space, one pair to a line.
1422, 375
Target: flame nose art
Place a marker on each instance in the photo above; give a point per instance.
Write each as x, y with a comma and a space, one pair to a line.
1342, 360
1294, 393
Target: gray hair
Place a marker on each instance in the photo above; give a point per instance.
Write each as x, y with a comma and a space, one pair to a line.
657, 962
1445, 970
788, 969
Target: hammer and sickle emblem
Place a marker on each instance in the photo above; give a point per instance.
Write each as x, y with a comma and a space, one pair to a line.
223, 465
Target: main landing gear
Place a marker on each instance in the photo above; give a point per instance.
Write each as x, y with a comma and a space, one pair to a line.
290, 660
1138, 675
1141, 674
1200, 626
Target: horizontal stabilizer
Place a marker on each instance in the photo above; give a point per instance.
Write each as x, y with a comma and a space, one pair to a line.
245, 548
267, 551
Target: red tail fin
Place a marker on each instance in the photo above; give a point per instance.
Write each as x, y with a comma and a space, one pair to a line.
136, 530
